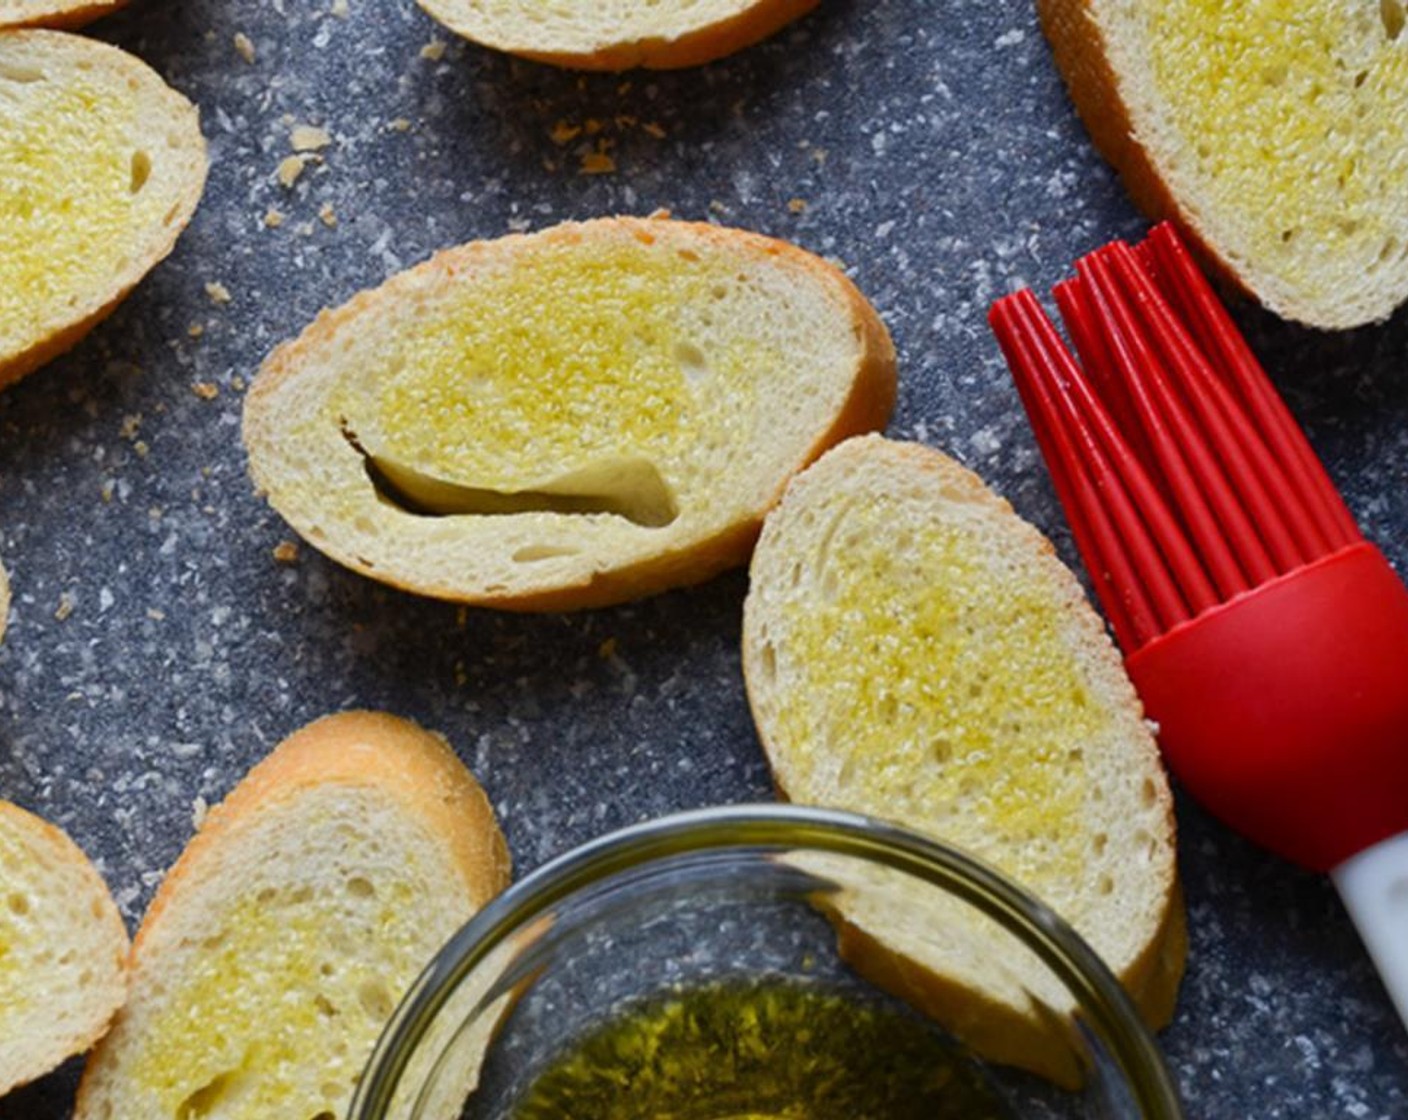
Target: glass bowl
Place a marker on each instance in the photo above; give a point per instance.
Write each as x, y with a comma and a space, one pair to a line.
718, 965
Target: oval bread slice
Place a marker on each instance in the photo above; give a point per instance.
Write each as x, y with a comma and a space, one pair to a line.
618, 34
63, 949
279, 944
572, 418
1275, 133
54, 13
103, 166
916, 652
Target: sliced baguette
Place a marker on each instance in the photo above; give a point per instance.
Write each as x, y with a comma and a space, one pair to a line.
103, 166
54, 13
280, 942
618, 34
1278, 140
916, 652
63, 949
567, 419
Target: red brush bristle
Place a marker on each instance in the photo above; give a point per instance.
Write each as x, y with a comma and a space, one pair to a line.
1185, 480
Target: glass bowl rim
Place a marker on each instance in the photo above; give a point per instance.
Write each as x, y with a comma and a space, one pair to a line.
1109, 1012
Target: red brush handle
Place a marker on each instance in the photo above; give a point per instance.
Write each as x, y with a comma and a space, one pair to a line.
1285, 710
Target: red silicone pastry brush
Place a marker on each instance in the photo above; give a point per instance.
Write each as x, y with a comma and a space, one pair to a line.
1266, 637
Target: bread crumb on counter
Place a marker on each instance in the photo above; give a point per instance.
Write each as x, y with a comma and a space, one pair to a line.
400, 124
65, 607
206, 390
200, 808
433, 51
339, 9
797, 205
244, 46
273, 219
327, 215
598, 162
217, 292
564, 132
286, 552
308, 138
131, 425
195, 330
290, 168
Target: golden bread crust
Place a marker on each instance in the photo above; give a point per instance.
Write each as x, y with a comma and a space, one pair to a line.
692, 48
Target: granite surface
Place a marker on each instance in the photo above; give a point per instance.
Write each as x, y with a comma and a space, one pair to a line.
158, 649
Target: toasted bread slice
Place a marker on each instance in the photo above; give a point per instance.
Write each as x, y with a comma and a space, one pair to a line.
915, 651
566, 419
618, 34
63, 949
103, 165
282, 939
1279, 141
54, 13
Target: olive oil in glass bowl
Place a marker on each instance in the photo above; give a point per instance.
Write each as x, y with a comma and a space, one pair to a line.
688, 969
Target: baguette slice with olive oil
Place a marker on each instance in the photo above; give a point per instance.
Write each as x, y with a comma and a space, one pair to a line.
280, 942
1275, 132
618, 34
63, 947
567, 419
101, 166
915, 651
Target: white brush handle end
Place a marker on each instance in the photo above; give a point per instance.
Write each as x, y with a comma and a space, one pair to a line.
1374, 887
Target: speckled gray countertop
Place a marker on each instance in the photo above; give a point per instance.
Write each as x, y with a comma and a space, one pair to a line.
158, 649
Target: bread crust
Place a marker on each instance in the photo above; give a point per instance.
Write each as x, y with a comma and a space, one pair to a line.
166, 107
1080, 46
692, 48
990, 1026
111, 964
867, 407
57, 15
360, 749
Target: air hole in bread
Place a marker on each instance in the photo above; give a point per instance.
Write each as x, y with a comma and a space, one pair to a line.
209, 1097
1099, 842
325, 1006
692, 362
767, 663
326, 1114
1393, 16
141, 171
169, 218
1275, 75
632, 488
941, 749
1147, 793
376, 1000
532, 553
18, 904
688, 255
358, 887
23, 75
1105, 885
